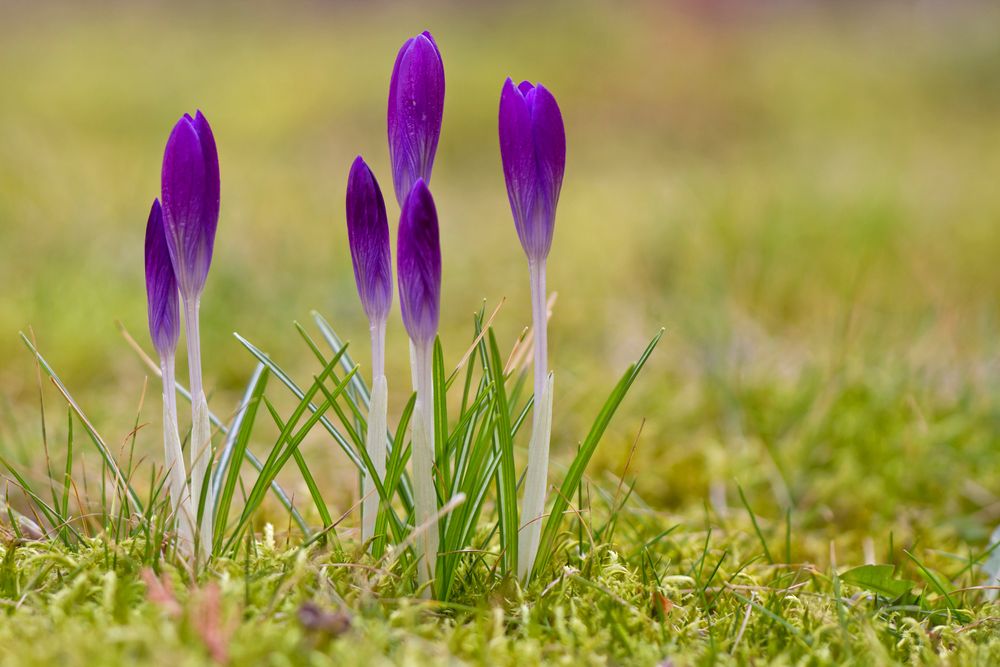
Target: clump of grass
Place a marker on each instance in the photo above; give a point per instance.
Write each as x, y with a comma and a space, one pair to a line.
474, 464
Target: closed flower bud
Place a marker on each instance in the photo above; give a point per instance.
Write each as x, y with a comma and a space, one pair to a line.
368, 235
533, 150
161, 286
190, 190
416, 106
418, 257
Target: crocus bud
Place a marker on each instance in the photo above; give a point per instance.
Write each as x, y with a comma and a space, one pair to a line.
190, 189
533, 150
416, 106
368, 235
418, 257
161, 286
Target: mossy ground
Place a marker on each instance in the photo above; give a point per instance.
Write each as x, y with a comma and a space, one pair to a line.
717, 600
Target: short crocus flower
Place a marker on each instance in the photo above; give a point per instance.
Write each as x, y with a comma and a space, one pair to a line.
165, 329
533, 151
416, 107
190, 191
418, 259
368, 236
161, 287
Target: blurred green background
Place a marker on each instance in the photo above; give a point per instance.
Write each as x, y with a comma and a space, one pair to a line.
805, 195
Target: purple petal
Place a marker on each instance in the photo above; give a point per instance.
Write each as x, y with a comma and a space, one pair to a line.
416, 108
418, 257
161, 286
368, 235
517, 151
549, 137
190, 190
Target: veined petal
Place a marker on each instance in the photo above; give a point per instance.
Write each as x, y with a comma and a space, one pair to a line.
517, 152
368, 236
210, 157
161, 286
415, 111
418, 258
549, 137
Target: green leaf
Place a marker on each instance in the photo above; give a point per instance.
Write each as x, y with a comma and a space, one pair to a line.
575, 473
504, 446
878, 579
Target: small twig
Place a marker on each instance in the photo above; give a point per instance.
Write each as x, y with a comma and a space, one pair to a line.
743, 625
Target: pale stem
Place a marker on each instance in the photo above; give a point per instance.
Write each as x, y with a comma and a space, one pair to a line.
173, 460
425, 498
201, 433
538, 449
375, 438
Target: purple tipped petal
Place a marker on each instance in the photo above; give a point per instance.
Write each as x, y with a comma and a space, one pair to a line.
517, 152
416, 107
550, 149
190, 189
418, 258
533, 151
368, 235
161, 286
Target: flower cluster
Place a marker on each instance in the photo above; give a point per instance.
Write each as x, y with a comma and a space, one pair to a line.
179, 250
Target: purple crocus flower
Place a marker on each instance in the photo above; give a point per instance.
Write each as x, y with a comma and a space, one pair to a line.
416, 106
190, 190
533, 150
368, 234
161, 286
418, 257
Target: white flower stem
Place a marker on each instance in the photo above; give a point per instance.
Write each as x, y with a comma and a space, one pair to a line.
201, 433
422, 433
538, 448
173, 458
375, 438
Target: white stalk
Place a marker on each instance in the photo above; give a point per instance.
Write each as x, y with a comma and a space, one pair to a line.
201, 433
538, 449
422, 434
375, 438
180, 495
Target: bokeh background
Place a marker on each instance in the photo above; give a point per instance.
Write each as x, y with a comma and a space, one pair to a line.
805, 195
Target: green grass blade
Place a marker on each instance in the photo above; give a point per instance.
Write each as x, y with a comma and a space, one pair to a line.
575, 473
294, 388
506, 476
124, 487
226, 451
240, 440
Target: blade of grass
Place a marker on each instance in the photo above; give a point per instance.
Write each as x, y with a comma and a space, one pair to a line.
123, 486
575, 473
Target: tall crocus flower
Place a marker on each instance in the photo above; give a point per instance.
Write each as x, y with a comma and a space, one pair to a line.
164, 329
418, 258
416, 106
533, 151
190, 190
368, 235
